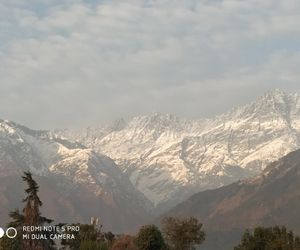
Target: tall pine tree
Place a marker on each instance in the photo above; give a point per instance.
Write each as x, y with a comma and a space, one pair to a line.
30, 216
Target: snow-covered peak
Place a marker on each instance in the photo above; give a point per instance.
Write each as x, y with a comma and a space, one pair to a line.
168, 158
276, 94
156, 121
273, 105
75, 172
277, 100
118, 124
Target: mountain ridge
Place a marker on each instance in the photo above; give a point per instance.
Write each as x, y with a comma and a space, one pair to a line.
271, 198
168, 158
67, 169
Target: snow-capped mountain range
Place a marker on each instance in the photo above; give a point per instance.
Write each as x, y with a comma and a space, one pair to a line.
168, 158
122, 171
81, 182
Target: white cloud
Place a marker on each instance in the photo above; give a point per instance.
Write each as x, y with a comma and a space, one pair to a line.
102, 59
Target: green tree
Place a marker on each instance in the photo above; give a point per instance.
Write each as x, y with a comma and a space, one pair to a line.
182, 234
30, 216
271, 238
150, 238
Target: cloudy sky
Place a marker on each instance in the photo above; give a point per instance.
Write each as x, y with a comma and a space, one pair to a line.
72, 63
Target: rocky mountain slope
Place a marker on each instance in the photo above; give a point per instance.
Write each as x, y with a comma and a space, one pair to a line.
272, 198
168, 158
76, 182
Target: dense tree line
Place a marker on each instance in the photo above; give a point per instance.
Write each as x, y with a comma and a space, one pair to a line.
175, 233
270, 238
92, 237
182, 234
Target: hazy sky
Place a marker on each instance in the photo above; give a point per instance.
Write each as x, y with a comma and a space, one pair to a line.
71, 63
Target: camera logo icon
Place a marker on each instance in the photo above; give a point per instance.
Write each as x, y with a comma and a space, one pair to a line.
1, 232
10, 232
